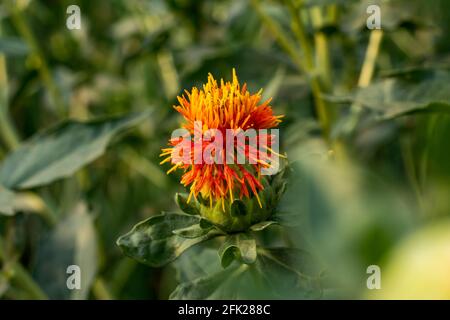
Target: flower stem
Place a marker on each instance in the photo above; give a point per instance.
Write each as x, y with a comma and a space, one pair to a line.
306, 65
318, 85
365, 77
277, 32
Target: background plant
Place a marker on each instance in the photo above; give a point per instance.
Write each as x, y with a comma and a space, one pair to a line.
366, 131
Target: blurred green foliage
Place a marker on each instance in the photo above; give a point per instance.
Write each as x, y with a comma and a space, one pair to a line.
369, 170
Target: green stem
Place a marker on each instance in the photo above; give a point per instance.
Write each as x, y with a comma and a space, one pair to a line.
297, 27
366, 74
7, 132
24, 30
277, 32
317, 86
411, 173
322, 50
100, 290
122, 273
21, 277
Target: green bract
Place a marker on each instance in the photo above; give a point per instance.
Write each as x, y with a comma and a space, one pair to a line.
240, 214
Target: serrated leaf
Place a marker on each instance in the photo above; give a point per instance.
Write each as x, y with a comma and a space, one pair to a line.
61, 150
153, 241
189, 208
238, 246
6, 202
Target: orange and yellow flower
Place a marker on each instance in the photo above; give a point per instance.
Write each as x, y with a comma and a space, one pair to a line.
225, 106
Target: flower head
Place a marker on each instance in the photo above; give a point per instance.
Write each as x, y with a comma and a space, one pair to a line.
222, 107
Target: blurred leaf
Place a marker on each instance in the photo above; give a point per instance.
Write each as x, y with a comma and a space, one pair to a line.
199, 261
60, 151
72, 242
395, 97
394, 14
6, 202
4, 284
154, 243
418, 268
349, 216
313, 3
276, 274
290, 272
208, 287
241, 247
13, 46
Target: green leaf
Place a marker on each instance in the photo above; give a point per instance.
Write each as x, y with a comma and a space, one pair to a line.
153, 241
72, 242
290, 272
199, 261
208, 287
239, 246
60, 151
277, 274
395, 97
6, 202
262, 225
189, 208
196, 230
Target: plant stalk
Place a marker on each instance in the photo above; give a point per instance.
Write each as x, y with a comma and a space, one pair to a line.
24, 30
21, 276
7, 131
